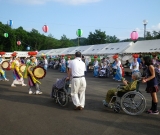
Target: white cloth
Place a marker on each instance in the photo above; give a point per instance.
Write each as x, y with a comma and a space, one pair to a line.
78, 85
68, 61
118, 64
28, 61
45, 62
95, 63
63, 61
77, 67
36, 62
86, 62
134, 66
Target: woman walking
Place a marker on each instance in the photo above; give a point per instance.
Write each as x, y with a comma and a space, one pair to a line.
152, 85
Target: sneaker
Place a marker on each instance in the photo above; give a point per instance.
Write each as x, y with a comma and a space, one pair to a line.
148, 111
105, 103
13, 85
24, 84
6, 80
153, 112
30, 92
113, 78
38, 92
119, 80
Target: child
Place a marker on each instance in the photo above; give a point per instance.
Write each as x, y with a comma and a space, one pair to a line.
128, 87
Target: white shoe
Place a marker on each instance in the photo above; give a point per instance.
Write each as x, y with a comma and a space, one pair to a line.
30, 92
113, 78
6, 80
24, 84
13, 85
38, 92
105, 103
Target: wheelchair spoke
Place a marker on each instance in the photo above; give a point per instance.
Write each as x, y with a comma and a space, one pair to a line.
133, 103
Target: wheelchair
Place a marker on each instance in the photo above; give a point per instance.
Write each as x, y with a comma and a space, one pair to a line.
105, 74
61, 95
132, 102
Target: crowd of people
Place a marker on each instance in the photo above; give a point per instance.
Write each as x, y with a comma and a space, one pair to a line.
23, 68
77, 69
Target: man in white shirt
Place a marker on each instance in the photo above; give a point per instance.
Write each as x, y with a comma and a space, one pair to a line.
78, 86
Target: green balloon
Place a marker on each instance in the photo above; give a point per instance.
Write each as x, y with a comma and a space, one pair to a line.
5, 35
79, 32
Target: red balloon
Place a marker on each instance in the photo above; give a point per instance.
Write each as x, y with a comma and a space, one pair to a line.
134, 35
45, 28
18, 42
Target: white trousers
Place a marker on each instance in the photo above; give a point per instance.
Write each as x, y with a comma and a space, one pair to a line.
78, 88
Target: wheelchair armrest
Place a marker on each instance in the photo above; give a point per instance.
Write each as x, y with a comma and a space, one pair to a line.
120, 86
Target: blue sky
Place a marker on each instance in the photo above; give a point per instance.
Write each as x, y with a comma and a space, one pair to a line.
115, 17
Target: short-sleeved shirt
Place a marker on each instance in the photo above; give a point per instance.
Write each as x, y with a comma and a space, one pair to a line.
45, 62
77, 67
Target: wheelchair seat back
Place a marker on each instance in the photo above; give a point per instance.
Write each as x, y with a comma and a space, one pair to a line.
67, 86
137, 86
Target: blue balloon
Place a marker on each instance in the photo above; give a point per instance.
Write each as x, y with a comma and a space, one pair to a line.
28, 48
10, 23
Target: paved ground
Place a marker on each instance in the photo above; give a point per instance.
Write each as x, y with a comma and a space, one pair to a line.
23, 114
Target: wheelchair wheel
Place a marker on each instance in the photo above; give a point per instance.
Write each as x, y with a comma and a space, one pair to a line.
62, 98
117, 107
133, 103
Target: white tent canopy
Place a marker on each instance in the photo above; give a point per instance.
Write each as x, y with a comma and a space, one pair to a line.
8, 54
94, 49
42, 52
55, 52
113, 48
144, 46
81, 49
108, 49
69, 50
22, 54
19, 54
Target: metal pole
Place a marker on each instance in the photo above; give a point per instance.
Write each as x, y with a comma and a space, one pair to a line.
78, 41
144, 31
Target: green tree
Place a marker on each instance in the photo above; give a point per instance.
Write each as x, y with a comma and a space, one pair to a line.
65, 42
99, 37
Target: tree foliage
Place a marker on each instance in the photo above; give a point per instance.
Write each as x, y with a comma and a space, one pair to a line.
38, 41
33, 39
100, 37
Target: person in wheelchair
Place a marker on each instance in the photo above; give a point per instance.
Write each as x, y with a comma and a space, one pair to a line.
125, 88
102, 70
